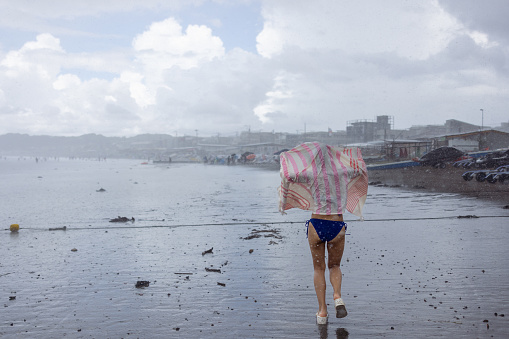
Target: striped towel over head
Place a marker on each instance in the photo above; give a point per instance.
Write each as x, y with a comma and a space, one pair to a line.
323, 179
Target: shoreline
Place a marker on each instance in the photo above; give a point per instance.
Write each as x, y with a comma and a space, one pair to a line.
447, 180
426, 178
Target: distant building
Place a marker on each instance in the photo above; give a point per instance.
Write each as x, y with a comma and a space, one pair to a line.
456, 126
333, 138
369, 130
426, 131
451, 126
504, 127
250, 137
474, 141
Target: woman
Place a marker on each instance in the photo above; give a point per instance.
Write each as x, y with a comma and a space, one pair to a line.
327, 230
325, 180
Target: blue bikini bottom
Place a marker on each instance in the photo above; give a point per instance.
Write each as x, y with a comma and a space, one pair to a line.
326, 229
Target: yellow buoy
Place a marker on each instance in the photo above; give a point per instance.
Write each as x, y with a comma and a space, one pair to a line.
14, 228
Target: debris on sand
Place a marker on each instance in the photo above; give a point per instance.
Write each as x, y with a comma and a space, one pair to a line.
216, 270
74, 250
101, 190
269, 233
207, 251
122, 219
251, 251
470, 216
58, 228
142, 283
221, 284
252, 236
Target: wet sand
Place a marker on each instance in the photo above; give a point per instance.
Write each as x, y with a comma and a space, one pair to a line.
401, 279
412, 269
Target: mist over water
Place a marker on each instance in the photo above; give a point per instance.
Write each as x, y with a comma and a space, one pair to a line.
58, 193
412, 265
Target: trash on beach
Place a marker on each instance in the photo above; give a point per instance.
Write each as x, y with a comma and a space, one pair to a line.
142, 283
207, 251
14, 228
101, 190
212, 270
270, 233
74, 250
470, 216
12, 297
251, 251
122, 219
252, 236
221, 284
58, 228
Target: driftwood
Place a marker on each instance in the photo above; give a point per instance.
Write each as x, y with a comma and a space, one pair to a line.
207, 251
122, 219
212, 270
58, 228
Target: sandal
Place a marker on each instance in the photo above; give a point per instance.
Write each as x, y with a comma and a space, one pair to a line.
321, 320
340, 308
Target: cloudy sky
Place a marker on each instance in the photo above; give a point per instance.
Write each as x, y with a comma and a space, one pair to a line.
187, 67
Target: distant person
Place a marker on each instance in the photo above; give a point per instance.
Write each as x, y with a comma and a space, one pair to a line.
325, 180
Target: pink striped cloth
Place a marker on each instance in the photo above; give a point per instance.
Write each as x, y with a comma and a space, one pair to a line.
323, 179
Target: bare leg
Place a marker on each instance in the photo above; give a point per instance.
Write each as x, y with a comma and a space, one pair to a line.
318, 255
335, 249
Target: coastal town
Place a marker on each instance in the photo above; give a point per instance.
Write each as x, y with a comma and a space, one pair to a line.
377, 138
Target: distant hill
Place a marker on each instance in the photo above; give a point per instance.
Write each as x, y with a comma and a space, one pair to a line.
88, 145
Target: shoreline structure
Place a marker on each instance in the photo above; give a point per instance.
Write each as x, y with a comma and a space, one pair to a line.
446, 180
411, 175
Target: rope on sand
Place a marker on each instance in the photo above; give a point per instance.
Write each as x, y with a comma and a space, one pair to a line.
255, 223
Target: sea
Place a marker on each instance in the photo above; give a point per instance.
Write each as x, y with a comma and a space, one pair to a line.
420, 262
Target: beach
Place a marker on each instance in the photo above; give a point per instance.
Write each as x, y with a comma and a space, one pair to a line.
222, 262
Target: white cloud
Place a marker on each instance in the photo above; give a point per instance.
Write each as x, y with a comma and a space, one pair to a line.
43, 41
3, 100
409, 29
320, 64
65, 81
164, 45
487, 16
274, 104
482, 39
34, 57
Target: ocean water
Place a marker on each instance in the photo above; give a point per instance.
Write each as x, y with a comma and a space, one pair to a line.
65, 193
412, 268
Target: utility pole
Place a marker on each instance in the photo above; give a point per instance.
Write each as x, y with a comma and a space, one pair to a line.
481, 143
482, 119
